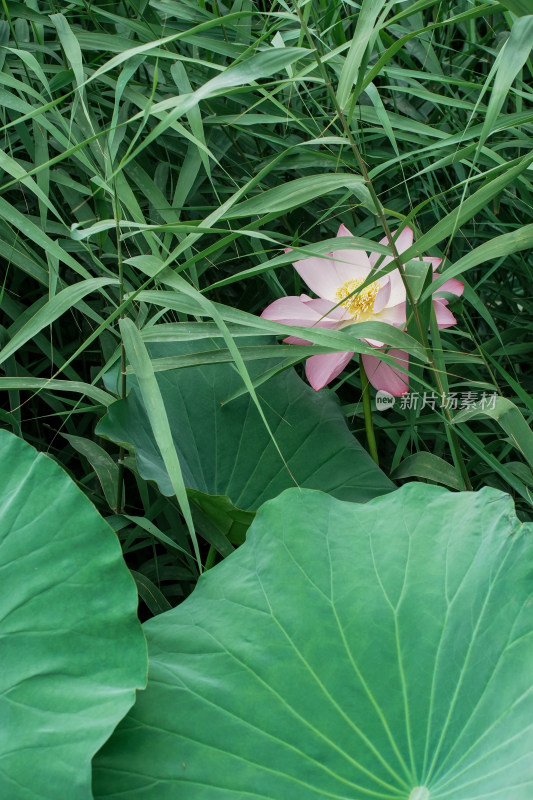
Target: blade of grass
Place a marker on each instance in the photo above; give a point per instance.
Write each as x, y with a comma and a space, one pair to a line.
155, 409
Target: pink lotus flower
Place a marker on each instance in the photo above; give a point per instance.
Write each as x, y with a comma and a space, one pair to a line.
333, 278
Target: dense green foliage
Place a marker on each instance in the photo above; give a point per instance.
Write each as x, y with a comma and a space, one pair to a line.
183, 145
158, 159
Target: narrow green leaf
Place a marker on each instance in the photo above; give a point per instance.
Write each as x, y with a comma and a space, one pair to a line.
220, 522
466, 210
53, 384
368, 14
508, 64
150, 594
429, 466
58, 305
347, 339
479, 447
105, 467
157, 416
504, 245
193, 331
316, 249
32, 63
70, 46
36, 235
298, 193
13, 168
261, 65
148, 526
148, 47
510, 419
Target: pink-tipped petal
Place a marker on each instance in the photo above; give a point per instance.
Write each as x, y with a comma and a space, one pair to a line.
453, 286
435, 261
325, 276
319, 275
394, 315
402, 243
322, 369
445, 318
373, 257
383, 295
356, 258
294, 311
325, 308
386, 378
350, 264
398, 293
343, 231
397, 290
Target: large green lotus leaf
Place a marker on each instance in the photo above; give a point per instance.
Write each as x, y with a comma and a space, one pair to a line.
73, 651
344, 651
226, 449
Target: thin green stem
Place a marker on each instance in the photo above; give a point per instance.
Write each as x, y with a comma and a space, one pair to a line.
367, 412
123, 387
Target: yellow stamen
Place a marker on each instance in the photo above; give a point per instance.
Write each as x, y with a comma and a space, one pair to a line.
360, 305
